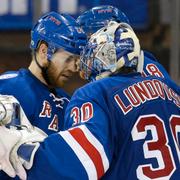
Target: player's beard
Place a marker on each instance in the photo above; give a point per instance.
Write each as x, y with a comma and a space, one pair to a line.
51, 76
57, 79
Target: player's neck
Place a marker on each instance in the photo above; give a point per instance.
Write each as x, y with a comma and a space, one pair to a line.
36, 71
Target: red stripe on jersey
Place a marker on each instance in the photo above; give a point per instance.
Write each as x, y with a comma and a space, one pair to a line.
93, 153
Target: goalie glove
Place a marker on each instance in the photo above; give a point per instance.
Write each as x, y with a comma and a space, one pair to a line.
18, 149
8, 138
8, 109
11, 113
27, 137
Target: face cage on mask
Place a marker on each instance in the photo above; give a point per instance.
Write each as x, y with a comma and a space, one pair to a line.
87, 63
90, 65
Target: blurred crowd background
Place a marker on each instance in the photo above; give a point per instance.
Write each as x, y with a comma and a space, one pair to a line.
156, 22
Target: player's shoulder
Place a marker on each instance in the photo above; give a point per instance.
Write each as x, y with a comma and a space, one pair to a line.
149, 56
14, 79
106, 86
85, 90
8, 80
151, 59
154, 68
11, 76
16, 83
91, 90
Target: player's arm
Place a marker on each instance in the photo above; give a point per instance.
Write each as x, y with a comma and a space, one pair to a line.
82, 152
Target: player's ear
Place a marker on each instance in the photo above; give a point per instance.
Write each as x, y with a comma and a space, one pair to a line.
42, 52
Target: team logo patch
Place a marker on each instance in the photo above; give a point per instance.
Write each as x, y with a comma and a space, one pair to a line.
55, 20
46, 110
54, 124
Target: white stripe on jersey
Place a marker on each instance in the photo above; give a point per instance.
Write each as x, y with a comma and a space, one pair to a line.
81, 154
93, 140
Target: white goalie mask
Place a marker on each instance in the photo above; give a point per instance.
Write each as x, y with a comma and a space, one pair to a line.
108, 50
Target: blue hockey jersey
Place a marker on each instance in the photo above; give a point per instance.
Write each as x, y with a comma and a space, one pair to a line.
122, 127
43, 108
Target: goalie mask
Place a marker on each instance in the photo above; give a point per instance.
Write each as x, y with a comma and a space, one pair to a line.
108, 50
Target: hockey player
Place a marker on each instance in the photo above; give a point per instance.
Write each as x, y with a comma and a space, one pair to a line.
123, 125
99, 16
56, 41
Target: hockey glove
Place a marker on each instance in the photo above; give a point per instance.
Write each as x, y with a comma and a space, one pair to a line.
19, 133
18, 149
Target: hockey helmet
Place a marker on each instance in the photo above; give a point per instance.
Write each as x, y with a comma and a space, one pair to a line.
98, 17
58, 31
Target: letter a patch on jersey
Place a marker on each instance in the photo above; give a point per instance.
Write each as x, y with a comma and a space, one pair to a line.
46, 110
54, 124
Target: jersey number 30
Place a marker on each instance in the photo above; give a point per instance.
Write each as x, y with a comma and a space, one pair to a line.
83, 114
158, 147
